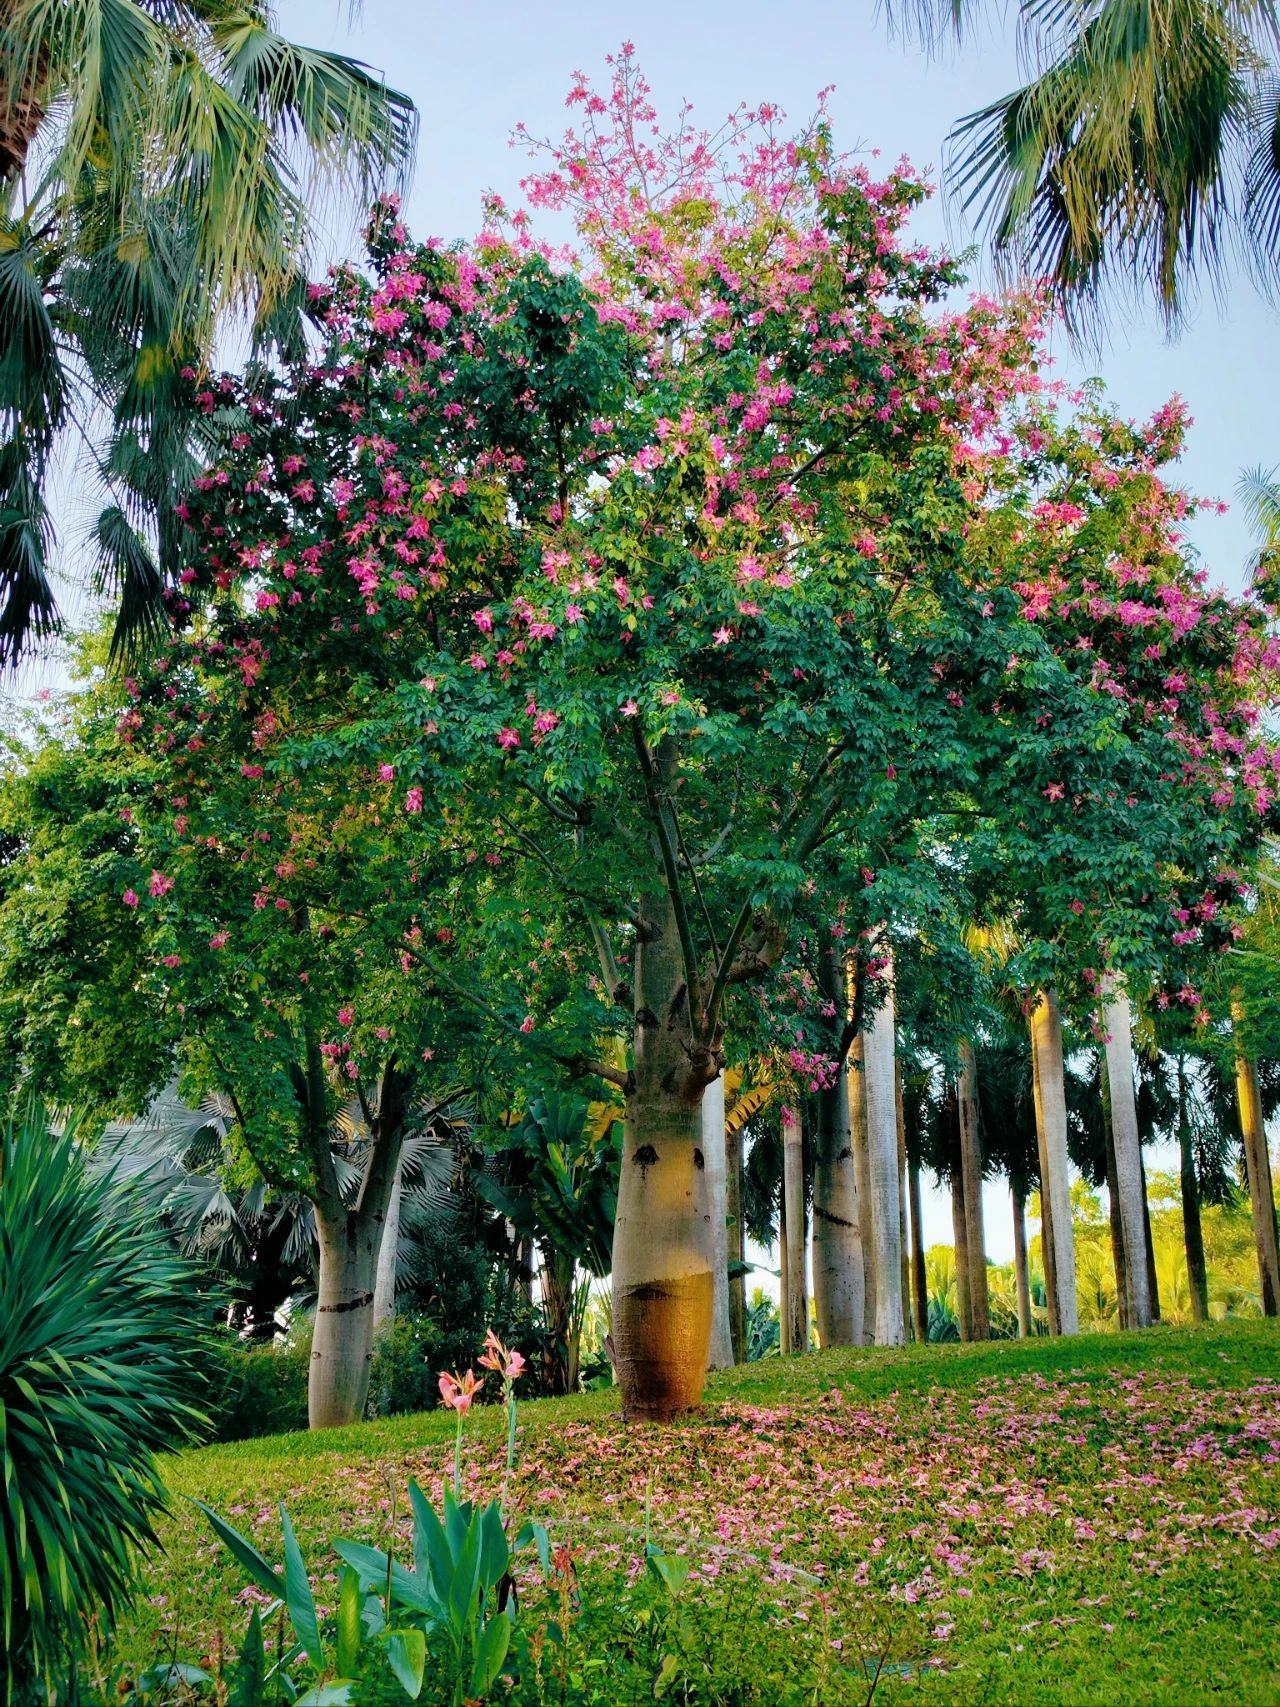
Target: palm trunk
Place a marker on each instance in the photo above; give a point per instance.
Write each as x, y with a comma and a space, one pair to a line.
862, 1183
1021, 1268
797, 1334
784, 1279
837, 1235
1192, 1232
737, 1242
960, 1235
384, 1286
1051, 1128
1118, 1257
879, 1055
971, 1168
662, 1282
1117, 1022
720, 1355
1257, 1170
919, 1281
559, 1278
903, 1246
1153, 1284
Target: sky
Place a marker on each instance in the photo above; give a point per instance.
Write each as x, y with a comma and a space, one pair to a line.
475, 71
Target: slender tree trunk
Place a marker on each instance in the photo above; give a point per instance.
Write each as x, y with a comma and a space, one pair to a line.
737, 1242
1117, 1022
716, 1183
960, 1235
903, 1246
837, 1235
1051, 1125
879, 1055
793, 1214
559, 1277
1118, 1256
1021, 1268
862, 1183
919, 1281
1257, 1170
384, 1285
1153, 1283
662, 1283
972, 1170
1192, 1232
784, 1278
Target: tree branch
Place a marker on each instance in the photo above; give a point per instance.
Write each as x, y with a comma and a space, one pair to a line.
652, 772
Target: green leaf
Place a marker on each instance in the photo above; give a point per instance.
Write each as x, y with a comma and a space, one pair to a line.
495, 1555
251, 1666
244, 1552
491, 1650
407, 1656
350, 1599
298, 1596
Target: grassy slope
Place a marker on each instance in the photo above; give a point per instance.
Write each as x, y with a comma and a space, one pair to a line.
1086, 1521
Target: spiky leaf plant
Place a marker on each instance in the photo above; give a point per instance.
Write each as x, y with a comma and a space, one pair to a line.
97, 1352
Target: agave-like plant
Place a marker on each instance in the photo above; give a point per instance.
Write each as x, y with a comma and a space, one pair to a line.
97, 1351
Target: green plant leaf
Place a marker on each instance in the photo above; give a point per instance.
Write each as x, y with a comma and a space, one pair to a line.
350, 1599
491, 1650
244, 1552
298, 1596
407, 1657
250, 1673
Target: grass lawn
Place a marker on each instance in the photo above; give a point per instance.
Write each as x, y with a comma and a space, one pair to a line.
1092, 1520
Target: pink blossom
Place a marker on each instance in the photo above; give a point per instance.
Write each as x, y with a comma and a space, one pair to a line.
508, 737
386, 772
457, 1392
413, 800
160, 884
346, 1016
130, 898
219, 939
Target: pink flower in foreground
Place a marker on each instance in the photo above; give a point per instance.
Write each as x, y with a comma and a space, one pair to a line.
160, 884
171, 960
508, 737
509, 1364
219, 939
413, 800
1055, 791
386, 772
346, 1016
130, 898
457, 1392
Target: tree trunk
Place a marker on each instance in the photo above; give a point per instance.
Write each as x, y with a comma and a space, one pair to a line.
342, 1342
559, 1279
972, 1170
1192, 1232
879, 1055
384, 1286
1117, 1023
919, 1281
737, 1242
862, 1184
904, 1248
720, 1355
1051, 1127
797, 1335
784, 1274
1257, 1170
662, 1282
1021, 1268
1153, 1284
960, 1236
837, 1236
1118, 1257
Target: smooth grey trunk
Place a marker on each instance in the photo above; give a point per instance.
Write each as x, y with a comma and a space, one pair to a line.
796, 1337
862, 1185
1118, 1256
1192, 1231
903, 1247
919, 1279
879, 1054
972, 1170
342, 1340
384, 1285
1117, 1022
837, 1235
960, 1237
1257, 1164
1051, 1124
1021, 1267
716, 1185
737, 1240
1153, 1283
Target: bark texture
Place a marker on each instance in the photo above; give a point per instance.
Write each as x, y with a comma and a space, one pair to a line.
1055, 1189
1021, 1268
862, 1185
384, 1286
837, 1235
1117, 1022
919, 1281
1258, 1171
737, 1242
972, 1169
795, 1337
879, 1057
720, 1355
1192, 1232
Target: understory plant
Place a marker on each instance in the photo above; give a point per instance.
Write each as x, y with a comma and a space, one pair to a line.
97, 1349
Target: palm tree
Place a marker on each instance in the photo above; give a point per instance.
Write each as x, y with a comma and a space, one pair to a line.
1144, 147
1258, 490
161, 163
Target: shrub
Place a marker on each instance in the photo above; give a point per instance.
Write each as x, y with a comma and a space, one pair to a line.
256, 1390
96, 1357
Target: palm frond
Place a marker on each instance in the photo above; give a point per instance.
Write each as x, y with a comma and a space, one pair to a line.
127, 570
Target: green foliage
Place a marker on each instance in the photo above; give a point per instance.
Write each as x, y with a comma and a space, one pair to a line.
97, 1358
254, 1390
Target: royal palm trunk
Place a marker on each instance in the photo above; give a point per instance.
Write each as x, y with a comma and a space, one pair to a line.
737, 1241
1127, 1149
795, 1337
720, 1355
1055, 1189
1258, 1171
837, 1237
919, 1280
862, 1185
971, 1169
1021, 1268
1192, 1232
663, 1291
879, 1054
